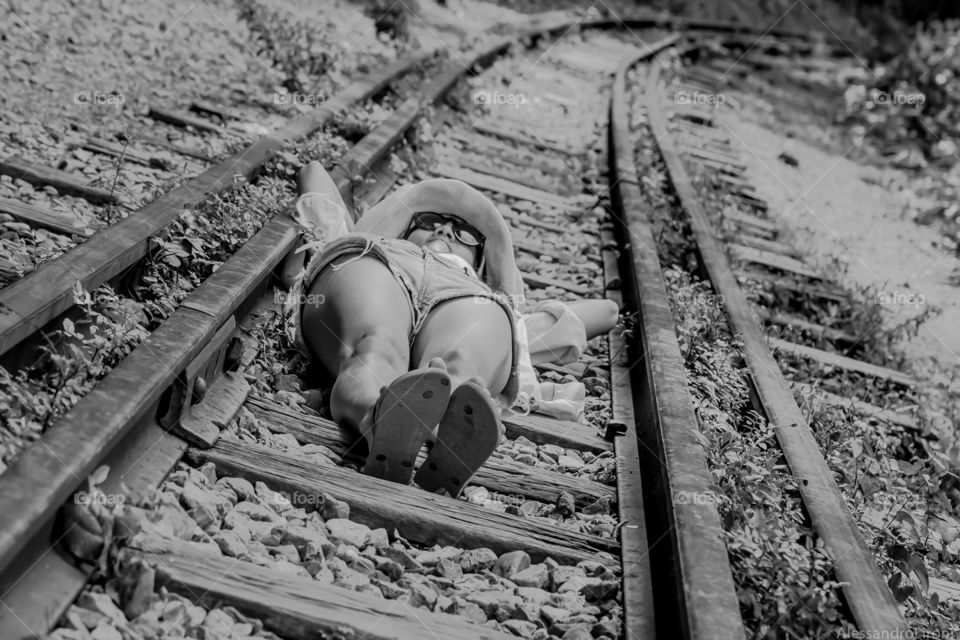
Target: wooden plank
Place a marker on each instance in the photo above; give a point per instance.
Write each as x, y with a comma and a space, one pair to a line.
814, 397
215, 110
771, 246
521, 138
563, 433
116, 150
762, 226
819, 330
866, 592
506, 187
419, 516
825, 290
42, 296
699, 117
530, 221
67, 183
202, 424
499, 473
542, 282
686, 540
182, 119
543, 191
522, 156
828, 359
10, 270
146, 138
538, 429
294, 607
773, 261
36, 217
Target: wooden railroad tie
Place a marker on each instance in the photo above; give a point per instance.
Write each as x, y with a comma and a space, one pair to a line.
499, 474
64, 182
421, 517
843, 362
37, 217
183, 120
296, 607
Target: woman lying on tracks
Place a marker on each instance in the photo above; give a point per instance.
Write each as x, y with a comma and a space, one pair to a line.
415, 313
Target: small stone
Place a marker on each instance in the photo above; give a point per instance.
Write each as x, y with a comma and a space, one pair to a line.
421, 595
209, 471
602, 591
530, 508
520, 628
569, 463
553, 451
607, 626
448, 569
577, 583
511, 563
242, 488
256, 512
601, 506
390, 568
563, 573
348, 532
527, 459
403, 558
490, 601
470, 610
350, 579
474, 560
379, 539
218, 622
302, 535
230, 543
554, 615
315, 566
324, 576
389, 590
534, 576
592, 568
102, 604
286, 551
533, 594
578, 632
334, 509
274, 534
566, 505
476, 495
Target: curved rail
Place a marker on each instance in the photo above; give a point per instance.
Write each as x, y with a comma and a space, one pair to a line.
867, 594
682, 519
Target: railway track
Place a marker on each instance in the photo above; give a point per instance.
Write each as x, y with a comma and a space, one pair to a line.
238, 497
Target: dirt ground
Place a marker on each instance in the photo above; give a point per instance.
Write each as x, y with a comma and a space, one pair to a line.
838, 210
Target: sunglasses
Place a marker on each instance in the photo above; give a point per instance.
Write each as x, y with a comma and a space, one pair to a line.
464, 233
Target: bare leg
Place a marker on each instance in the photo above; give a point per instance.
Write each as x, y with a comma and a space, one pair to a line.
358, 322
598, 316
473, 337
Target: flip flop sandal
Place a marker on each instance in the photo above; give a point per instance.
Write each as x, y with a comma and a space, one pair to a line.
469, 432
406, 412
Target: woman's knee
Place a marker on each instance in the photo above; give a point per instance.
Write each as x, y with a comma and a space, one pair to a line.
384, 343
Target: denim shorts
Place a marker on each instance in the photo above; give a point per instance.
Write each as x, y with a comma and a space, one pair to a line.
427, 279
